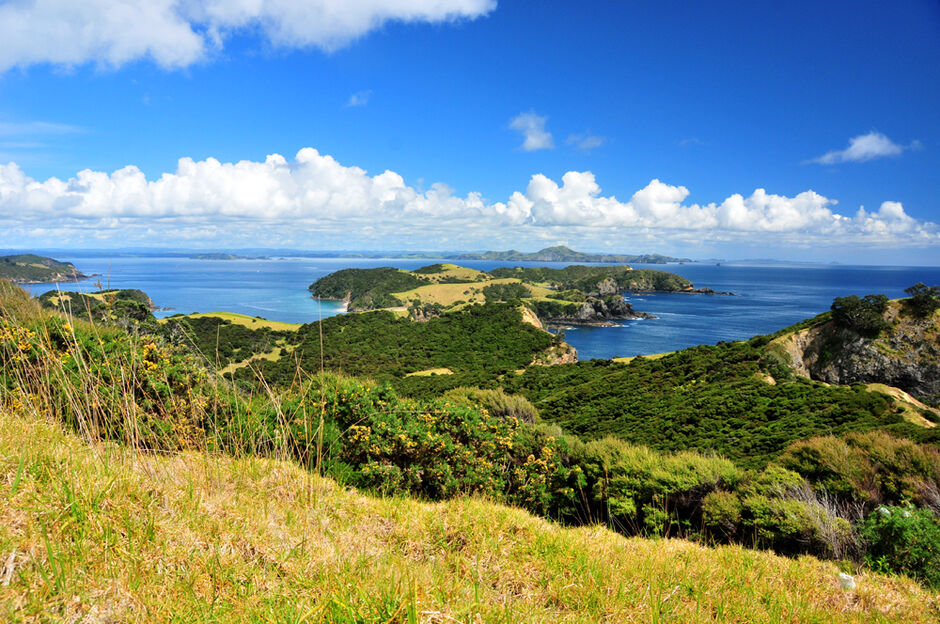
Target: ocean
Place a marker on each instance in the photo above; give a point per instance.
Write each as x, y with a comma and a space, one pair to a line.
767, 297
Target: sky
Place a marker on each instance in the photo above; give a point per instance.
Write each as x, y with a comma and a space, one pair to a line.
790, 130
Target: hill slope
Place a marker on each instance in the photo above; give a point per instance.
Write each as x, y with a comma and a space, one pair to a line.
33, 269
99, 534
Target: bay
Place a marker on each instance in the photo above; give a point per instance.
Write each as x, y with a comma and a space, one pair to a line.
766, 299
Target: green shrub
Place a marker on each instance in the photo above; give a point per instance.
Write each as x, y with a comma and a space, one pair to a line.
721, 513
904, 540
496, 402
872, 467
862, 315
924, 300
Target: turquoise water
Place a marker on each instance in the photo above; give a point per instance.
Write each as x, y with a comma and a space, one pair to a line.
768, 297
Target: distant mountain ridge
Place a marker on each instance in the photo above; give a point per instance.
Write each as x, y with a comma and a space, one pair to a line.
561, 253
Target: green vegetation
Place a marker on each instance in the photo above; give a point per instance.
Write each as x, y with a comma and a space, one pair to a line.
924, 300
712, 443
366, 289
587, 278
710, 398
862, 315
30, 268
904, 540
224, 340
129, 307
481, 341
554, 295
506, 292
97, 533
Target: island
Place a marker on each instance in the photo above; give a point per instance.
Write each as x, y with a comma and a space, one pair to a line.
561, 253
574, 295
225, 256
33, 269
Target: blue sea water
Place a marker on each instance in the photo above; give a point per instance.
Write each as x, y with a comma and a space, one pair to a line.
767, 297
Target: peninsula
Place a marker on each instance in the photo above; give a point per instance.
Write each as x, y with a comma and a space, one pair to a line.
33, 269
574, 295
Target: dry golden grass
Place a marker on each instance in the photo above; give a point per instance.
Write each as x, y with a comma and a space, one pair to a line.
252, 322
910, 407
103, 534
651, 356
430, 371
470, 293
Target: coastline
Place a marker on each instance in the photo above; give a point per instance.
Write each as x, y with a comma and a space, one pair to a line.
344, 307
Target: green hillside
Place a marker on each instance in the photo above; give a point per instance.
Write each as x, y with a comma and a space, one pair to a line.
104, 534
824, 474
31, 269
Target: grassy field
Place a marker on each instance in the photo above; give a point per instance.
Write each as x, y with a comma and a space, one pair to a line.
651, 356
448, 294
99, 533
431, 371
251, 322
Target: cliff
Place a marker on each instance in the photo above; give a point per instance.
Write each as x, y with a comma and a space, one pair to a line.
905, 355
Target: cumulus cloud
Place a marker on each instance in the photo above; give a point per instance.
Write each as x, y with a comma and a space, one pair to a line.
532, 127
277, 202
178, 33
586, 142
863, 148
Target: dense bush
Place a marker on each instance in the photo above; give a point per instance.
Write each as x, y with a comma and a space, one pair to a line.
512, 291
587, 278
496, 402
904, 540
484, 341
222, 342
366, 289
707, 398
924, 300
872, 468
862, 315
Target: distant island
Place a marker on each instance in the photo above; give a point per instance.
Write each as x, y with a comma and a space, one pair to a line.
33, 269
564, 254
225, 256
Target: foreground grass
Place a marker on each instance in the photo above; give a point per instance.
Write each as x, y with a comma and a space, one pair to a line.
100, 533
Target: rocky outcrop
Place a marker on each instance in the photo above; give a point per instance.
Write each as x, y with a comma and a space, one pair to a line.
599, 312
562, 353
906, 356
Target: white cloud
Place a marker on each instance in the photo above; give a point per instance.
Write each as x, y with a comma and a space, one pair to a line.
359, 98
178, 33
314, 198
586, 142
863, 148
532, 128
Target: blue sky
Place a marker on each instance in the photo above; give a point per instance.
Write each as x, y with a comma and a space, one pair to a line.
721, 130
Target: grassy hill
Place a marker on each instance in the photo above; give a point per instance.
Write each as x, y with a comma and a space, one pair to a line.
441, 287
817, 471
100, 533
32, 269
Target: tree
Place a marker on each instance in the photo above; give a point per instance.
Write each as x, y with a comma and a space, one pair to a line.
924, 300
862, 315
